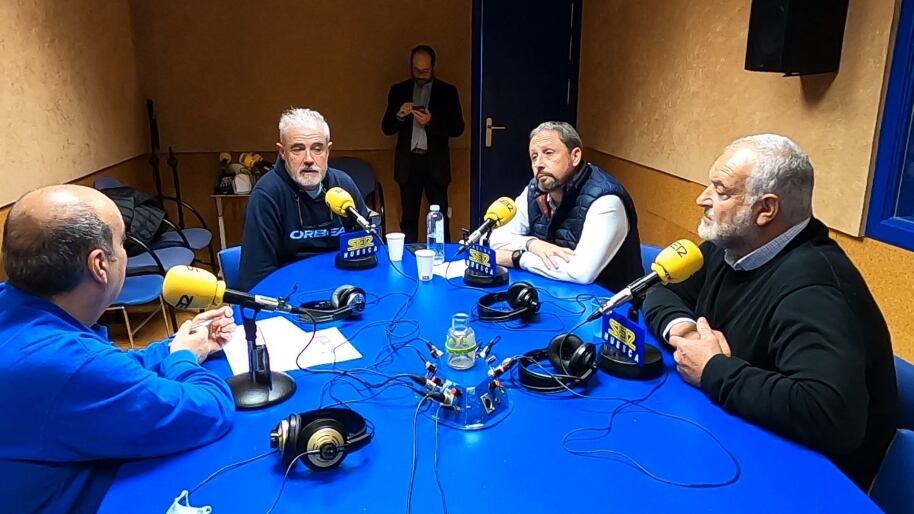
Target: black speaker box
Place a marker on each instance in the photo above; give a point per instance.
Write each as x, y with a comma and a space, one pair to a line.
796, 37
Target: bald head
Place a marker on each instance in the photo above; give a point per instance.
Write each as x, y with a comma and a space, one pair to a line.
51, 231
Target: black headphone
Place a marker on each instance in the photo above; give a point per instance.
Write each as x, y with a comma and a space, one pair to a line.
522, 298
344, 302
322, 438
573, 359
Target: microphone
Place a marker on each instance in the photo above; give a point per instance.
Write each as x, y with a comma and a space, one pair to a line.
673, 264
186, 287
500, 212
341, 203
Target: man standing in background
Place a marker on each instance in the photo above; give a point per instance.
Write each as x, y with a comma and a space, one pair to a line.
424, 112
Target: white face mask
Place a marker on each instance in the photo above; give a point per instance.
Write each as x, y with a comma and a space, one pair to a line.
177, 508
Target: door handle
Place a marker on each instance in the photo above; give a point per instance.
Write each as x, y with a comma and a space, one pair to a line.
489, 129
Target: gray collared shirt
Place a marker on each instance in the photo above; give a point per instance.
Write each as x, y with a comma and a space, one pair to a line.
421, 96
761, 255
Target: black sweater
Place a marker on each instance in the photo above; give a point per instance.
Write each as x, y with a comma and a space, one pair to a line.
283, 223
812, 357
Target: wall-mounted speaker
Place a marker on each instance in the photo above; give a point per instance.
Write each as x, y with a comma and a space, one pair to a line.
796, 37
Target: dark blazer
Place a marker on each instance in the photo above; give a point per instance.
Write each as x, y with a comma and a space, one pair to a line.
447, 122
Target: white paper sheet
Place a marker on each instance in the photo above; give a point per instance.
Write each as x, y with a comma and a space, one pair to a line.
456, 269
285, 341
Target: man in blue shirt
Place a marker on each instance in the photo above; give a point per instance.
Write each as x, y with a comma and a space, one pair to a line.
74, 406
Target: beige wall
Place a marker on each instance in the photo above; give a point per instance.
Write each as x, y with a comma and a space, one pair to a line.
221, 71
664, 86
667, 212
69, 98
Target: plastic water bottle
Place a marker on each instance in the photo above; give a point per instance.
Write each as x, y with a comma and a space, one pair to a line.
435, 238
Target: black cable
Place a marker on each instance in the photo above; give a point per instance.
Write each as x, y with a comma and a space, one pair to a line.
282, 485
229, 467
412, 471
437, 476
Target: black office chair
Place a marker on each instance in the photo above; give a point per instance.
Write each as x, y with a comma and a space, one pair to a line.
366, 180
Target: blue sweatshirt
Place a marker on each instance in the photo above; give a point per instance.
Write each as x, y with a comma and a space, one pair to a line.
283, 223
74, 406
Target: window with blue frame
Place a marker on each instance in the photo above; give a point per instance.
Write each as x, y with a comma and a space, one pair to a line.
891, 213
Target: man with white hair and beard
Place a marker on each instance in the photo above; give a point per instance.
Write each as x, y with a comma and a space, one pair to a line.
287, 218
779, 327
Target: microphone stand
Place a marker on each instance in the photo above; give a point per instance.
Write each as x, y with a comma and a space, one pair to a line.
259, 387
612, 362
479, 279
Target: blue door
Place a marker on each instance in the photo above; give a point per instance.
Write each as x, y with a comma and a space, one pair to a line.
525, 71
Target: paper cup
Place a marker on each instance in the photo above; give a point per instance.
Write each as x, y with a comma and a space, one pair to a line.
425, 260
395, 245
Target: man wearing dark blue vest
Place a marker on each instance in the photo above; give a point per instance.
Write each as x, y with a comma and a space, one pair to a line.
574, 221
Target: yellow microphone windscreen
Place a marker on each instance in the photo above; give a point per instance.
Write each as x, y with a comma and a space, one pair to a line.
187, 287
338, 199
678, 262
501, 211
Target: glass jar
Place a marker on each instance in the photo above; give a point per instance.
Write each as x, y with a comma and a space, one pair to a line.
461, 343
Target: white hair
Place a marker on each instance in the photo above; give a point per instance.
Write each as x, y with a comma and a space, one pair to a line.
782, 168
298, 117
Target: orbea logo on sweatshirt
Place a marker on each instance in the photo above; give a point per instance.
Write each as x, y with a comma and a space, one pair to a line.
316, 233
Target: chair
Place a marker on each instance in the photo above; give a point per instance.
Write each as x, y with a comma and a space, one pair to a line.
904, 371
230, 264
142, 290
366, 180
195, 238
648, 254
891, 489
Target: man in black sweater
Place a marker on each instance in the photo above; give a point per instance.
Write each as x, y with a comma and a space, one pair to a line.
779, 327
287, 218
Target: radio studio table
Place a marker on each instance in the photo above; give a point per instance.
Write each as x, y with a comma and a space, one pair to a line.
516, 466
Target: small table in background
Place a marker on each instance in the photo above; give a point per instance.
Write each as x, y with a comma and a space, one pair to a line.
218, 199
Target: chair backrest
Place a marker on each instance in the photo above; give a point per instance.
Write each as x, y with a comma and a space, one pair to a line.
107, 183
904, 370
648, 254
891, 489
230, 264
360, 171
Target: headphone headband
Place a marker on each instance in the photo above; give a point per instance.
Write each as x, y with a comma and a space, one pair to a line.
521, 297
345, 301
545, 382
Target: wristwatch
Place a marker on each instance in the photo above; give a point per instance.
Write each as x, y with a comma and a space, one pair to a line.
515, 257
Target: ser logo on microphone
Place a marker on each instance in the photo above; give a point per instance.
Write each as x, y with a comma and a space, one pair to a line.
359, 243
680, 249
184, 302
479, 257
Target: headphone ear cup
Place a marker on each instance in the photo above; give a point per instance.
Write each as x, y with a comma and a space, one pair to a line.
326, 437
516, 294
290, 448
340, 295
356, 299
561, 352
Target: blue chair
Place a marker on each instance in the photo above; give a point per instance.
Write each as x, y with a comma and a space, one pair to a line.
366, 180
892, 489
230, 264
904, 371
648, 254
143, 290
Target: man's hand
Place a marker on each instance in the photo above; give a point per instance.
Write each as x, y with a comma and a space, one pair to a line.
692, 355
405, 111
551, 254
204, 341
423, 117
686, 329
